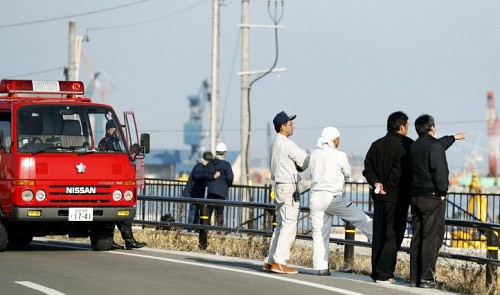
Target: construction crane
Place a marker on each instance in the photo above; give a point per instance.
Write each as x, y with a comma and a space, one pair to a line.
493, 137
100, 84
193, 129
93, 84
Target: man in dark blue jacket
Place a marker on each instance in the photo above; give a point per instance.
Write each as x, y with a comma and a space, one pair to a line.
428, 200
219, 187
196, 185
112, 142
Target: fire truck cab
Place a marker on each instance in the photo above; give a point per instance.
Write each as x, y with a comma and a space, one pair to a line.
63, 169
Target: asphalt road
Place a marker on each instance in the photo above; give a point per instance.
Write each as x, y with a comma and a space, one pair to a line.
60, 267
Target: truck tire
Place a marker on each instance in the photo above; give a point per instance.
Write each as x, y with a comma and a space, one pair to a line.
3, 237
101, 236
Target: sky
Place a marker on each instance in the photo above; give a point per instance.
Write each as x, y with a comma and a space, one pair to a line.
349, 64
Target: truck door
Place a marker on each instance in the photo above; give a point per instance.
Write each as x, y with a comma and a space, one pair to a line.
5, 158
132, 137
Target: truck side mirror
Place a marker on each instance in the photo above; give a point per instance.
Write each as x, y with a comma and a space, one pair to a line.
145, 142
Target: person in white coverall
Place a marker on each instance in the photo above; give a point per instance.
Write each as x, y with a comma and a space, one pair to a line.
329, 168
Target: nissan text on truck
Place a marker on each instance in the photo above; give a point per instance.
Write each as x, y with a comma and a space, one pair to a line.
54, 178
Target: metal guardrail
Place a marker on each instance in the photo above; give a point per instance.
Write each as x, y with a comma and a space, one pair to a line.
158, 223
165, 200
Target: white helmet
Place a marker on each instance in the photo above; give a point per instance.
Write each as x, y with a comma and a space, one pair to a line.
221, 147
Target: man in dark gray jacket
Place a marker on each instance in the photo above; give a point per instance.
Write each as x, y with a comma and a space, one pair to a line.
197, 184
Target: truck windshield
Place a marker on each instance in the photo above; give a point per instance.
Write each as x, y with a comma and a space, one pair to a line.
68, 128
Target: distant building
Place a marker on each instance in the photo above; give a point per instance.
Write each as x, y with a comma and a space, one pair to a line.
172, 164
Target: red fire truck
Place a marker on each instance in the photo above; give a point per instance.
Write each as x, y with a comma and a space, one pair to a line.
55, 178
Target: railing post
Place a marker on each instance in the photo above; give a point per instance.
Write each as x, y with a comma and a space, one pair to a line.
143, 212
202, 234
492, 252
272, 211
349, 249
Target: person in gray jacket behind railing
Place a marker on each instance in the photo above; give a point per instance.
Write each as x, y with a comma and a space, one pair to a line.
329, 169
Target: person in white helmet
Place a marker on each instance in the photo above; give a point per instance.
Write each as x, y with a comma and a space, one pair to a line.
329, 169
218, 188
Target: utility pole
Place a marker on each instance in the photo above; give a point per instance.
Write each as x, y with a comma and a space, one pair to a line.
245, 102
245, 111
493, 128
246, 85
214, 136
245, 90
74, 49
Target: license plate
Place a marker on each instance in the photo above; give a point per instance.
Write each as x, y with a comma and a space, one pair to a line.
81, 214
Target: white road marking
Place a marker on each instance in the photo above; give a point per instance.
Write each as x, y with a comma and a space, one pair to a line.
259, 274
40, 288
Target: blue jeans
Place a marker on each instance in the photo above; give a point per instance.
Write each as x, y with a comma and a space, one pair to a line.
194, 213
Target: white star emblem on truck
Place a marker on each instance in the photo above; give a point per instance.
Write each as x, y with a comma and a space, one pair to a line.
80, 168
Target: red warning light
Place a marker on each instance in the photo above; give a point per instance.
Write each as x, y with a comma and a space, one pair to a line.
29, 86
12, 86
71, 87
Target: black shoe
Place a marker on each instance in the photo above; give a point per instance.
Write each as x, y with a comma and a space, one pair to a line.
324, 272
429, 284
133, 244
116, 246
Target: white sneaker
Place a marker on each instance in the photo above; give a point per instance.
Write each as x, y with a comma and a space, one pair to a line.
391, 281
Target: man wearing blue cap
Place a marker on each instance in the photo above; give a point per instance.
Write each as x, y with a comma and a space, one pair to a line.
287, 160
111, 141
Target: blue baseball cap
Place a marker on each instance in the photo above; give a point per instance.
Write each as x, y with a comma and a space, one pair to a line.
282, 118
110, 124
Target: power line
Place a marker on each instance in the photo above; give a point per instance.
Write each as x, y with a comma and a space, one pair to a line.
319, 128
72, 15
38, 72
148, 20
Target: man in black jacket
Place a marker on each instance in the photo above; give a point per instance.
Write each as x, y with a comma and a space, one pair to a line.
219, 187
388, 171
197, 184
428, 199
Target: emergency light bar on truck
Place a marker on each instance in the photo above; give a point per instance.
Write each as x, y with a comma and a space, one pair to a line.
31, 86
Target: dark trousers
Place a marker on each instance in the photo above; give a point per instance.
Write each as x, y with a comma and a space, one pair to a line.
389, 225
194, 213
219, 210
428, 221
125, 228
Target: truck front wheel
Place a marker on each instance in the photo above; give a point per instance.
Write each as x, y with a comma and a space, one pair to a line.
101, 236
